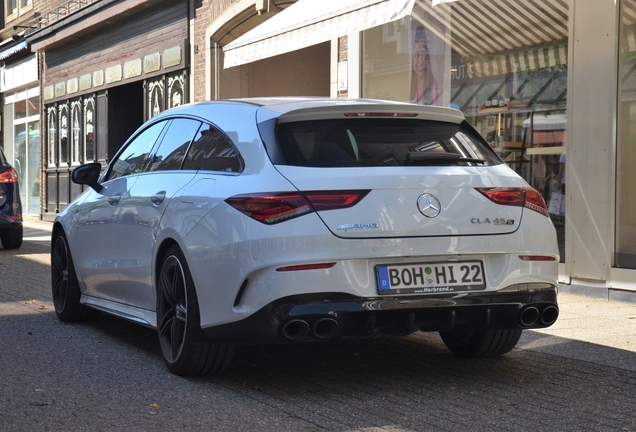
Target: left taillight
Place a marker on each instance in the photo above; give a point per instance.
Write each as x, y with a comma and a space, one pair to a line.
520, 197
273, 208
9, 176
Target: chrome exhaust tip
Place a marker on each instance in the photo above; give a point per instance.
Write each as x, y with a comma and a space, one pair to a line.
295, 329
549, 315
528, 316
324, 328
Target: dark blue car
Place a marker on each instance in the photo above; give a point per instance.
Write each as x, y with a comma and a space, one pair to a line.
10, 206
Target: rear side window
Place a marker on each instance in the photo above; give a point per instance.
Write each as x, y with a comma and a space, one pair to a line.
381, 142
169, 154
212, 150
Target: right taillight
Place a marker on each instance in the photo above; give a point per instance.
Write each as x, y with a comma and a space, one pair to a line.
272, 208
9, 176
521, 197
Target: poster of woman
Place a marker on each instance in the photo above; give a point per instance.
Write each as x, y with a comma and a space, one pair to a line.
424, 89
428, 52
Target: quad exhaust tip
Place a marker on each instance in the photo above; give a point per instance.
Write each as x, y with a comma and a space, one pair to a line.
549, 315
295, 329
321, 328
531, 315
324, 328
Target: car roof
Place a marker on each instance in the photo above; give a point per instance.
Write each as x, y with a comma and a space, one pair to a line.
299, 108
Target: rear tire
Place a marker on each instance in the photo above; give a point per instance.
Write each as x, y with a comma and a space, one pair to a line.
12, 238
186, 349
65, 288
481, 343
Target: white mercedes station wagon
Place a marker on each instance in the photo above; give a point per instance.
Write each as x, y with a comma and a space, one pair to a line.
293, 220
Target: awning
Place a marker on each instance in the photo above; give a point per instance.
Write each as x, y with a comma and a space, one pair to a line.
310, 22
14, 49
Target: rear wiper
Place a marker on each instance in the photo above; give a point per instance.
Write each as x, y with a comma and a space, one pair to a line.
437, 157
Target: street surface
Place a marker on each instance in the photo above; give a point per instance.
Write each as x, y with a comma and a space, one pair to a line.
108, 375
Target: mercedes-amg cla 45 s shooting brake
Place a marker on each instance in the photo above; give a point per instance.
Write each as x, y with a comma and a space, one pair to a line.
293, 220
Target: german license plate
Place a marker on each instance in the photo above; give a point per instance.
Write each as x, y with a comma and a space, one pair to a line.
441, 277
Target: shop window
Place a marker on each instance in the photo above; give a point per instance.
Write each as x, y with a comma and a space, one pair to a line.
63, 143
625, 254
19, 109
176, 94
165, 92
155, 97
33, 106
89, 129
51, 115
511, 84
76, 132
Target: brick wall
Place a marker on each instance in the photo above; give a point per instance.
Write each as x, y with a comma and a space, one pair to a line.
205, 13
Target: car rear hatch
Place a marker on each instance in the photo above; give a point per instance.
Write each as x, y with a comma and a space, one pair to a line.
397, 171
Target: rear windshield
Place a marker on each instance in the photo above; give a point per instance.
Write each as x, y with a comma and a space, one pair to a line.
381, 142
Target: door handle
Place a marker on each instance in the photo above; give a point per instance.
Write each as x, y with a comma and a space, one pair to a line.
158, 198
114, 200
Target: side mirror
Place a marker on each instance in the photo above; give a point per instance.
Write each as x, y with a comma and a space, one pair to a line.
88, 175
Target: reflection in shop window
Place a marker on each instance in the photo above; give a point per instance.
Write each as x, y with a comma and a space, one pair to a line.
19, 109
63, 135
511, 84
52, 138
89, 129
33, 106
75, 132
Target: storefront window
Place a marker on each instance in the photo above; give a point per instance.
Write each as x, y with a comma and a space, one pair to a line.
625, 255
506, 70
75, 131
33, 106
19, 109
176, 95
89, 129
52, 124
155, 97
63, 135
33, 169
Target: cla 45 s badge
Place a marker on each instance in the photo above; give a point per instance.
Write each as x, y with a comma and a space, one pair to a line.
496, 221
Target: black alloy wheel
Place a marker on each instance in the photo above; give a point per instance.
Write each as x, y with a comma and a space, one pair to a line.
65, 287
185, 348
172, 328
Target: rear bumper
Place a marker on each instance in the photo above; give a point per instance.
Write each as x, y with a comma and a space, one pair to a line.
312, 317
6, 223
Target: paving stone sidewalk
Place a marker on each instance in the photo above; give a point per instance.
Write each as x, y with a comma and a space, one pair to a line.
108, 375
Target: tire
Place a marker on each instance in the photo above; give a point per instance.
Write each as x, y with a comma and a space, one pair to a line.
185, 348
12, 238
481, 343
64, 286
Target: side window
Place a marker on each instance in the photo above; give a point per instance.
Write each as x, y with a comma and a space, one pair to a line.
132, 159
174, 144
213, 151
